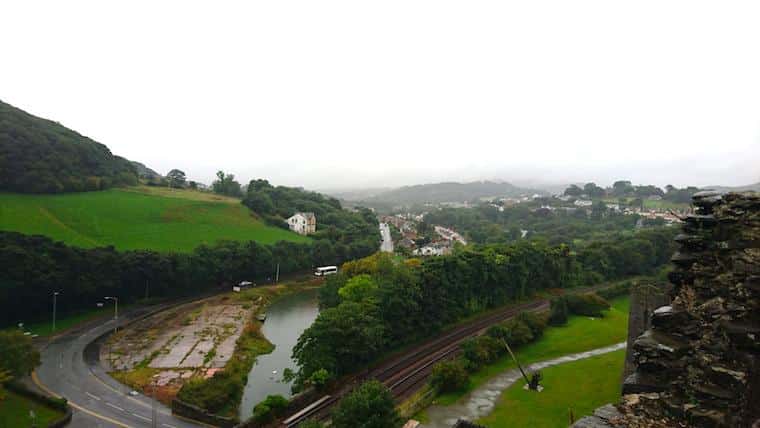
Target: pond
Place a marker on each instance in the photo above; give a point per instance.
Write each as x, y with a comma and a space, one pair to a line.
286, 319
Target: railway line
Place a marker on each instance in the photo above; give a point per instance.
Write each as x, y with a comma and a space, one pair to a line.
406, 373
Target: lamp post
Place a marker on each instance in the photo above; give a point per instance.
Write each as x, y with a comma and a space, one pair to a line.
115, 308
55, 298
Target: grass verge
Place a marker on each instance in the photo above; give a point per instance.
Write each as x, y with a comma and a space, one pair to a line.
580, 334
15, 412
578, 387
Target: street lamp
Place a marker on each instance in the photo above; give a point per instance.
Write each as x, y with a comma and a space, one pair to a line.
55, 298
115, 308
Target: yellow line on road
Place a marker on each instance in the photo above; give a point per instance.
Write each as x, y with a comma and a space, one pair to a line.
37, 382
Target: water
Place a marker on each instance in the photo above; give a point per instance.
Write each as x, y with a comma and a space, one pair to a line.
286, 319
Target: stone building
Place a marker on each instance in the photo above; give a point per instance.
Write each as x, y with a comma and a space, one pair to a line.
303, 223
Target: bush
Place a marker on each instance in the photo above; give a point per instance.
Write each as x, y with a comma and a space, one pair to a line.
559, 312
520, 333
481, 350
370, 405
273, 406
616, 290
535, 321
589, 304
449, 376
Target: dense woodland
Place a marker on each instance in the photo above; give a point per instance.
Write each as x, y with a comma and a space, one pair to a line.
375, 304
42, 156
33, 267
349, 233
485, 224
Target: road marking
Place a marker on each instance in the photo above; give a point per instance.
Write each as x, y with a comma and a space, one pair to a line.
114, 406
37, 382
92, 396
170, 426
141, 417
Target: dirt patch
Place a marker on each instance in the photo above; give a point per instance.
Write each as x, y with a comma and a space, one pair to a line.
170, 347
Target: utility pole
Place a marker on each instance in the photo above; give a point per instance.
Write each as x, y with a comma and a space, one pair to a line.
277, 275
55, 298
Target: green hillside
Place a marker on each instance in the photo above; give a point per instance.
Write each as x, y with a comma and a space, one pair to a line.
41, 156
136, 218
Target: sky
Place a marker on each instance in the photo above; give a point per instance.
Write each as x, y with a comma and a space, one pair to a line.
350, 94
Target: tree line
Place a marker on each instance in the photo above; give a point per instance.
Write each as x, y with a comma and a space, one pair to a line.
624, 189
376, 304
42, 156
33, 267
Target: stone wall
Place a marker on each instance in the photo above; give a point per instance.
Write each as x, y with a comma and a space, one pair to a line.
646, 296
699, 363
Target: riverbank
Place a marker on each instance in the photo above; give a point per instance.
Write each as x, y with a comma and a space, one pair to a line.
579, 335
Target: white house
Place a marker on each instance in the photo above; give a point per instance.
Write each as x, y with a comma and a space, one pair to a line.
583, 203
303, 223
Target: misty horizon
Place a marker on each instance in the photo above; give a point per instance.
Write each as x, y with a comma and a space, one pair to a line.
347, 96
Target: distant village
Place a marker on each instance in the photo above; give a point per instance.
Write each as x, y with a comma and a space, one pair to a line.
440, 240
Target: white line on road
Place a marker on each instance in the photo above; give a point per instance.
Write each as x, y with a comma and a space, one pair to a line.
141, 417
114, 406
93, 396
169, 426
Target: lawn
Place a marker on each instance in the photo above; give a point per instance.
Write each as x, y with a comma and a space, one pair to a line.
137, 218
581, 386
15, 408
45, 328
580, 334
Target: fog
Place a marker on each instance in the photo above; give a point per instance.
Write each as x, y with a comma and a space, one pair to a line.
355, 94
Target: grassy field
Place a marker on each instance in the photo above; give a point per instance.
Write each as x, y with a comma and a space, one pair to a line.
62, 323
137, 218
580, 334
14, 412
581, 386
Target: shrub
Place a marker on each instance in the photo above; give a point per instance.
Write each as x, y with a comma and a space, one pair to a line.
369, 405
589, 304
559, 311
273, 406
616, 290
535, 321
449, 376
481, 350
520, 333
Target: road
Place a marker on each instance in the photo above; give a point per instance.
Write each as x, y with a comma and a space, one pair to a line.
387, 245
70, 368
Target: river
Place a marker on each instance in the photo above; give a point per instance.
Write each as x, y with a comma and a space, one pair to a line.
286, 319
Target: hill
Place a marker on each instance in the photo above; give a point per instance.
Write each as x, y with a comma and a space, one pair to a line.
41, 156
447, 192
137, 218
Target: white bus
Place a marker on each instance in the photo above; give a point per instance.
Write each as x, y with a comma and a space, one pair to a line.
326, 270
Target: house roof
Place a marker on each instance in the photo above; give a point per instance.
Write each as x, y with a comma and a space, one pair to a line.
307, 215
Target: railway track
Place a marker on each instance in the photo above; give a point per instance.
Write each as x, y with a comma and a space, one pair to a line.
404, 374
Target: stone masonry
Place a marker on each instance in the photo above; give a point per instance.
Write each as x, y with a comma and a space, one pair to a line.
699, 363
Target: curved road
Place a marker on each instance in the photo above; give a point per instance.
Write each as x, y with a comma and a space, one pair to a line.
71, 369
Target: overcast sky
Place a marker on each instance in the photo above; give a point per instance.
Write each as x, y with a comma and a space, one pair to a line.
326, 94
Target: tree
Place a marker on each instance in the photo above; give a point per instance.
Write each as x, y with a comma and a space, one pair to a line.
622, 188
369, 406
176, 178
358, 289
593, 191
558, 315
17, 353
226, 185
448, 376
573, 190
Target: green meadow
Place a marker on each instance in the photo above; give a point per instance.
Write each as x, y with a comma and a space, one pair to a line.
575, 388
137, 218
579, 335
